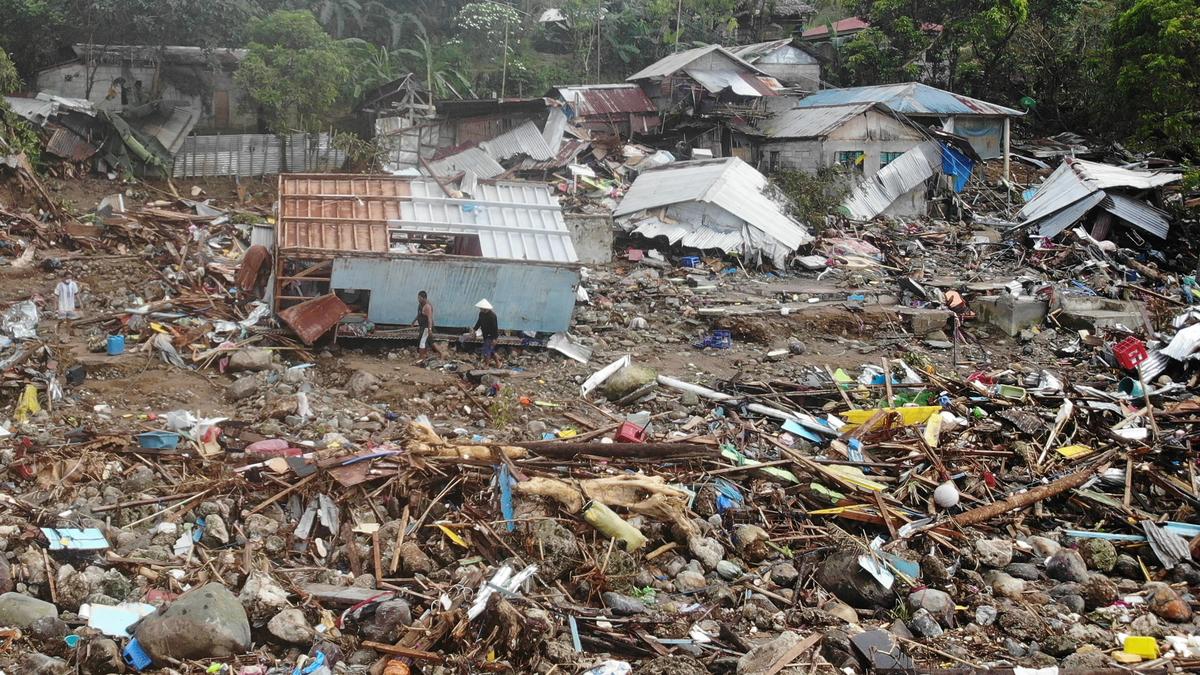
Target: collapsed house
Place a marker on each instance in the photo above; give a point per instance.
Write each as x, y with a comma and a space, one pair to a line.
373, 242
116, 78
1095, 194
785, 60
715, 204
617, 109
986, 125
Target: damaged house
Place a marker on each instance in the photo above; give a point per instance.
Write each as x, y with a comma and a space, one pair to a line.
792, 64
987, 126
616, 109
707, 89
116, 78
356, 250
1098, 196
715, 204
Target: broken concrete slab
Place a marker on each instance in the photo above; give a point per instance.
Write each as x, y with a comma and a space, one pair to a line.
1009, 313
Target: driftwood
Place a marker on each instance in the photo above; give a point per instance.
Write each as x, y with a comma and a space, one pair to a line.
1023, 499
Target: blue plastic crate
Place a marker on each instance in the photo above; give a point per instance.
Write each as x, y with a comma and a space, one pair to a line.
720, 339
135, 656
158, 440
690, 261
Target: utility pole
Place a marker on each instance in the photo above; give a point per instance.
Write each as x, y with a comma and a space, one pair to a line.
504, 63
678, 22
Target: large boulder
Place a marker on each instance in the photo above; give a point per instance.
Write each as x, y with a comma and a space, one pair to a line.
628, 380
20, 611
206, 622
841, 575
250, 359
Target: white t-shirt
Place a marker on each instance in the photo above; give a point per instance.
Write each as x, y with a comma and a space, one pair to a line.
66, 292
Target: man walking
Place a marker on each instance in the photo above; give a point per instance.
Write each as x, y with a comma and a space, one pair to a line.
488, 324
425, 321
67, 290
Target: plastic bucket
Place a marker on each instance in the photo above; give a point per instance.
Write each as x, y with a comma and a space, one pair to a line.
116, 345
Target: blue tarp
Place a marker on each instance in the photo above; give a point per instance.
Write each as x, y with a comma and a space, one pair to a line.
956, 164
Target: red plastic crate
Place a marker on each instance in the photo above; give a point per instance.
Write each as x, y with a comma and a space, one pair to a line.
630, 433
1130, 352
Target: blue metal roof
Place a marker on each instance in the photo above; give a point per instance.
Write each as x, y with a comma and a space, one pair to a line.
909, 98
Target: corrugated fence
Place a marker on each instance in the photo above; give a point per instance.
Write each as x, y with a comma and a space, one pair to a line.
256, 155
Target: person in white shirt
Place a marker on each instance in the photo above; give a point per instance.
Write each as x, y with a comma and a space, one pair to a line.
67, 292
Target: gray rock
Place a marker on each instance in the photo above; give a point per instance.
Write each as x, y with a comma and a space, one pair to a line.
1084, 662
262, 598
623, 605
1148, 624
391, 618
20, 611
360, 383
1066, 565
937, 603
251, 359
215, 532
841, 575
985, 615
206, 622
1127, 566
707, 550
784, 574
797, 347
536, 427
1098, 591
729, 570
689, 399
688, 580
40, 664
628, 380
1005, 585
751, 542
1060, 645
290, 625
760, 659
1044, 547
242, 388
994, 552
1026, 571
924, 624
1073, 602
413, 560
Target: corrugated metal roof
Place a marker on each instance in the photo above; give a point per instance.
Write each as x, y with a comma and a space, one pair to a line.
811, 122
255, 155
742, 84
313, 318
567, 153
69, 145
1077, 186
170, 128
728, 183
909, 98
753, 53
475, 160
524, 140
606, 99
669, 65
1138, 214
840, 26
32, 110
338, 212
874, 195
513, 220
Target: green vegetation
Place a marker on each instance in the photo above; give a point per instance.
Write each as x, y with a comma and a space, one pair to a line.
15, 135
1126, 69
810, 195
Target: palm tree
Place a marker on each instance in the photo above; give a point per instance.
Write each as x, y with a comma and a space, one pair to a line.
440, 77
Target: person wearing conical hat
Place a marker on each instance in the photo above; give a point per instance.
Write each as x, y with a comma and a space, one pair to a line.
488, 324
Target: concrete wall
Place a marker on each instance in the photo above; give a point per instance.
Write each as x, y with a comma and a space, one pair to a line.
212, 93
592, 235
527, 296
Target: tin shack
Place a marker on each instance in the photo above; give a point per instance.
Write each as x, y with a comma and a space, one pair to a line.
375, 241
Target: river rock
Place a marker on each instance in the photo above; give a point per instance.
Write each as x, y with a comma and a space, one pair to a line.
707, 550
20, 611
1098, 554
251, 359
1098, 591
206, 622
1166, 603
994, 552
290, 625
623, 605
760, 659
1005, 585
938, 603
628, 380
841, 575
1067, 565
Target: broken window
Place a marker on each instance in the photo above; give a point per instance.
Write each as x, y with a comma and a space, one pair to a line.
851, 158
886, 158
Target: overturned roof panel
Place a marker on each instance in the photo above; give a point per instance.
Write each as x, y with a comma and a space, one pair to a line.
875, 194
812, 122
606, 99
1077, 186
729, 184
909, 98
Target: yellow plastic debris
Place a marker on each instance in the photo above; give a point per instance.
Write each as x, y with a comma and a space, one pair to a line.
452, 535
909, 416
855, 476
1126, 657
933, 430
28, 406
568, 433
1073, 451
1142, 645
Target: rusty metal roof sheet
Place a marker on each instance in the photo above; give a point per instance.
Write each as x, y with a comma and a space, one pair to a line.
69, 145
909, 98
335, 212
606, 99
313, 318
